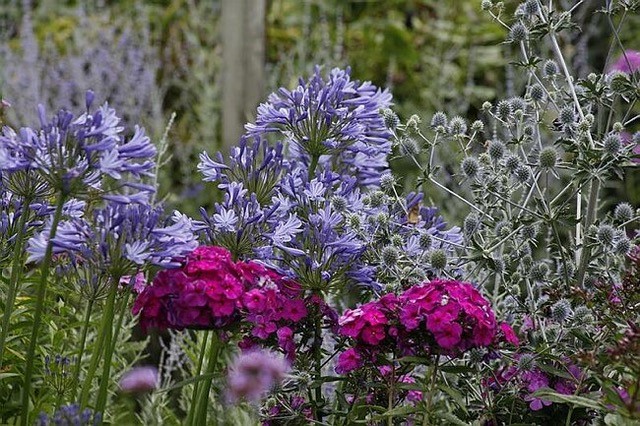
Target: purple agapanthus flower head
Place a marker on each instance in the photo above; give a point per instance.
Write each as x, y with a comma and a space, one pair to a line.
70, 415
120, 238
75, 153
331, 119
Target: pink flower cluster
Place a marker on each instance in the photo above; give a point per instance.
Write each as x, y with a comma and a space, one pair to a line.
204, 293
437, 317
211, 291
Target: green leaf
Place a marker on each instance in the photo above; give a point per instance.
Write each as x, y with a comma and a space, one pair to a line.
457, 396
578, 401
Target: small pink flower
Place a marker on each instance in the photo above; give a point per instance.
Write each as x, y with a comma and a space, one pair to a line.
254, 300
448, 335
509, 335
348, 361
139, 380
372, 335
628, 62
294, 310
252, 374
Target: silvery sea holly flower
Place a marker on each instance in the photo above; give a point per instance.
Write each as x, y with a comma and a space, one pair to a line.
333, 120
75, 154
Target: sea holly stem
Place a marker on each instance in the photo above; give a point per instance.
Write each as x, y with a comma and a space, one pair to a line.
105, 327
592, 205
37, 316
16, 273
202, 402
110, 342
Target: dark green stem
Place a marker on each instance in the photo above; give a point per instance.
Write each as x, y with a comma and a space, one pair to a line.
83, 342
203, 350
434, 375
105, 328
110, 343
202, 404
17, 268
317, 353
313, 165
37, 316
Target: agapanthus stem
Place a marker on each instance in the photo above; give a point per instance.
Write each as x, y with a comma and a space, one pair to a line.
203, 350
110, 341
317, 353
83, 342
16, 273
37, 316
313, 165
202, 403
105, 327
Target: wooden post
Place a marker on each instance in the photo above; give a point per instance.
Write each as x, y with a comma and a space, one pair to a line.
243, 57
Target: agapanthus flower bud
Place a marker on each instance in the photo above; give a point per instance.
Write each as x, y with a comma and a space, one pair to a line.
550, 68
537, 93
139, 380
438, 259
457, 126
561, 311
504, 110
548, 157
606, 234
518, 32
390, 255
522, 174
390, 118
612, 143
623, 212
470, 167
439, 119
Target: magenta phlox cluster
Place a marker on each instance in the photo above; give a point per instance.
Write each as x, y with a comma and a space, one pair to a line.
437, 317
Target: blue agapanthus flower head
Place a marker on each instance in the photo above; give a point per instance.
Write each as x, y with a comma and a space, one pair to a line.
77, 153
330, 120
119, 238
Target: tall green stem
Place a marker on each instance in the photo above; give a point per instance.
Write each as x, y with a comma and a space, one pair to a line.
16, 274
83, 342
426, 420
37, 316
313, 165
111, 339
202, 404
105, 327
203, 350
317, 353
